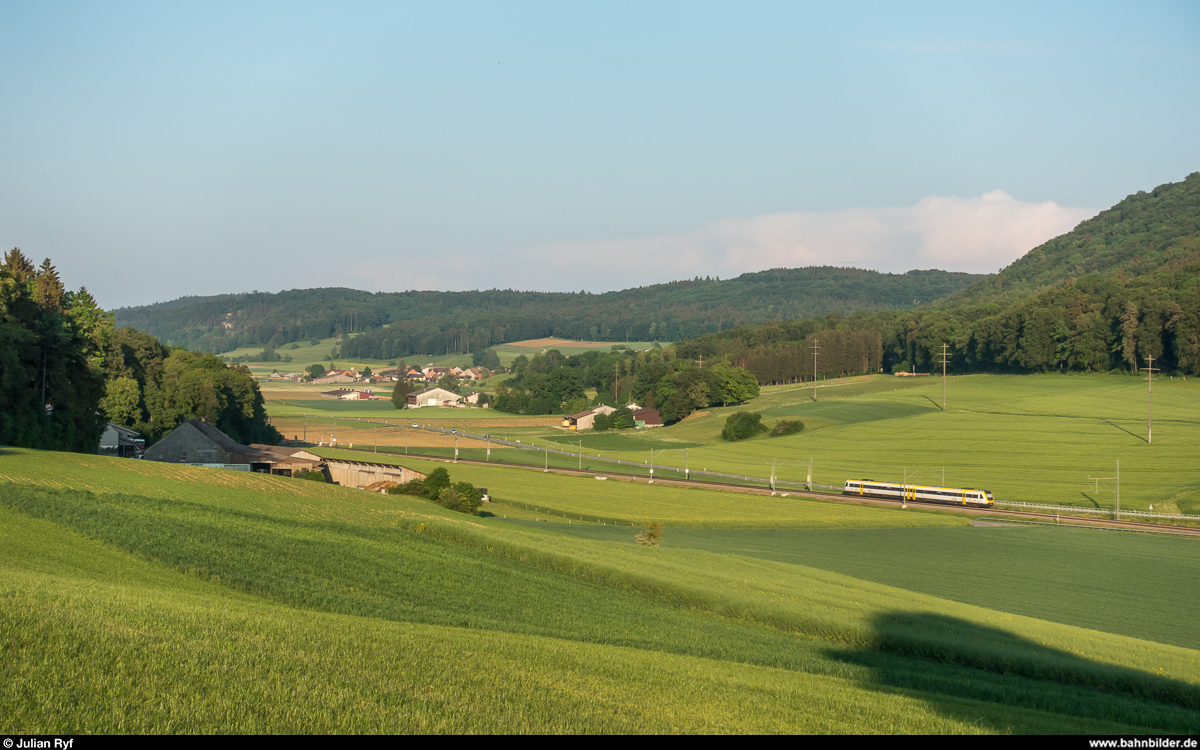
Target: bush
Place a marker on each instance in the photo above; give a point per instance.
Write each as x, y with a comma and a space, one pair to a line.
438, 480
743, 424
312, 476
415, 487
462, 497
787, 427
622, 419
651, 536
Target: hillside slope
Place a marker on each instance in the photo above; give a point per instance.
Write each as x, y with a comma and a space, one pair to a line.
1144, 234
201, 600
1118, 290
426, 322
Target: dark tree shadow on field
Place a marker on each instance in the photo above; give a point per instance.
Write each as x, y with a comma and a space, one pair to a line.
1127, 432
951, 659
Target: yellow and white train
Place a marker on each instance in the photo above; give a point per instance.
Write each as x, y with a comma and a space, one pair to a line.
946, 495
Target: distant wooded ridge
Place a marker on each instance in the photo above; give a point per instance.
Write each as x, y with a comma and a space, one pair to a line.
1120, 292
407, 323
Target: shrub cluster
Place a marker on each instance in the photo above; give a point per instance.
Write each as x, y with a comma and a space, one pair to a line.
462, 497
787, 427
743, 424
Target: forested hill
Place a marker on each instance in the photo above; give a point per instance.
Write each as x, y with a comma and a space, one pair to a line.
1143, 234
1118, 290
403, 323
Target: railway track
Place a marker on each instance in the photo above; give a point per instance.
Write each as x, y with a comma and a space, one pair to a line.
1019, 516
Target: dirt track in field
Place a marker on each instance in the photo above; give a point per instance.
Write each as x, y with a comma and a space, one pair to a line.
361, 435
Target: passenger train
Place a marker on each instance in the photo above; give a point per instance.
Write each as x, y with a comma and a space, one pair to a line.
947, 495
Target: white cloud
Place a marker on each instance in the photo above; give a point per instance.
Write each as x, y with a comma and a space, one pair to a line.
978, 235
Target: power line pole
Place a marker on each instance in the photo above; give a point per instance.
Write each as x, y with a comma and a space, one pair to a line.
1150, 370
664, 450
945, 357
816, 347
773, 475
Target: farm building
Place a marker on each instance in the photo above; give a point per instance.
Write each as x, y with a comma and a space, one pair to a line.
433, 397
337, 376
199, 443
363, 473
647, 418
581, 421
121, 442
585, 420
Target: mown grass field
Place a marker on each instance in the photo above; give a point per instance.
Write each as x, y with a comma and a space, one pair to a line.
508, 352
305, 353
144, 597
1132, 584
626, 503
1041, 439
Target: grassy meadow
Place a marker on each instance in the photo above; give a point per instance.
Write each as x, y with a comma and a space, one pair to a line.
508, 352
305, 353
1052, 439
142, 597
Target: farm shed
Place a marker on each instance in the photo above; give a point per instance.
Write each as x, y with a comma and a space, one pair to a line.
363, 473
120, 441
581, 421
647, 418
198, 442
433, 397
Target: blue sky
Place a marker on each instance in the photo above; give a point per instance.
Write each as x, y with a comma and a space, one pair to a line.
154, 150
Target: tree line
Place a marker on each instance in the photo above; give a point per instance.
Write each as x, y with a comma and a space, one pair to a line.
661, 379
1093, 324
392, 326
65, 371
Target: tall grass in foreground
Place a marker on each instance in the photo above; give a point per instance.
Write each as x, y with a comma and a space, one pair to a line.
375, 571
98, 640
251, 555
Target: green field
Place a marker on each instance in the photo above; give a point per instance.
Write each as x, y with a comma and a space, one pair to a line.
625, 503
508, 352
304, 353
1133, 584
144, 597
1039, 439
